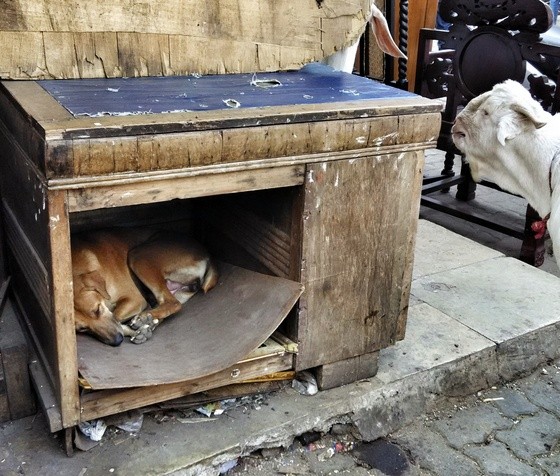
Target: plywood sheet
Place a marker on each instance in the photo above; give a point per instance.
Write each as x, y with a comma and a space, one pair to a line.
76, 39
315, 83
210, 333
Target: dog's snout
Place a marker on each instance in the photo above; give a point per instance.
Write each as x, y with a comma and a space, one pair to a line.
117, 340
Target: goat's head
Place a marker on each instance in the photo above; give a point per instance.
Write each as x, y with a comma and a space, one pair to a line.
489, 130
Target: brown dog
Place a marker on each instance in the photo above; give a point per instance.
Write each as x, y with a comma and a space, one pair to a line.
105, 265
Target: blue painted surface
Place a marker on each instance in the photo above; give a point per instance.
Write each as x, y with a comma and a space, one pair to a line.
313, 84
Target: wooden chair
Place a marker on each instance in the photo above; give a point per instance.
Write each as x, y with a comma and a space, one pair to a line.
487, 43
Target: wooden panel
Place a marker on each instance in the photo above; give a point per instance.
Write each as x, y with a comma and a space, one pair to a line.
64, 39
420, 14
264, 241
14, 357
100, 156
29, 263
152, 189
107, 402
347, 371
18, 128
66, 369
356, 255
138, 125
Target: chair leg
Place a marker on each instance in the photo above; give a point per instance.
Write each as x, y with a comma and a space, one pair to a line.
532, 249
466, 189
448, 168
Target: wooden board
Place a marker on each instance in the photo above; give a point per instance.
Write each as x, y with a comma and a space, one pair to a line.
72, 39
16, 395
357, 255
211, 333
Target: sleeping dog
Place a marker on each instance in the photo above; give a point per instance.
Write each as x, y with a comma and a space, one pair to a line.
106, 265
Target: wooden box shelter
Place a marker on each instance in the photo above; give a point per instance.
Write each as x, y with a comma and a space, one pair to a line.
322, 191
305, 184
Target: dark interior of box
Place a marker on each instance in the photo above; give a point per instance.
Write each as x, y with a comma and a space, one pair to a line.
252, 237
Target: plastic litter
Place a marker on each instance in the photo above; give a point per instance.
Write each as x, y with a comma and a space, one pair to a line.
225, 467
94, 430
305, 383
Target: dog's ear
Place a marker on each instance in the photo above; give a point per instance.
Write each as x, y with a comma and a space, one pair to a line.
95, 281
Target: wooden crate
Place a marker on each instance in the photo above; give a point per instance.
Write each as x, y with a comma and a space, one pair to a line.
316, 182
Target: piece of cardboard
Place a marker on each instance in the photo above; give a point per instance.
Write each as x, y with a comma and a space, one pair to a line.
212, 332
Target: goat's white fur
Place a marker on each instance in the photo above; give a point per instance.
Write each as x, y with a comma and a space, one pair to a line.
343, 60
507, 138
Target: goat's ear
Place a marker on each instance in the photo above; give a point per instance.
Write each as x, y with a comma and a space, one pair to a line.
533, 112
382, 34
524, 117
508, 127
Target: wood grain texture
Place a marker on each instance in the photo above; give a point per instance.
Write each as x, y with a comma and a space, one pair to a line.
66, 370
108, 402
68, 39
151, 152
356, 255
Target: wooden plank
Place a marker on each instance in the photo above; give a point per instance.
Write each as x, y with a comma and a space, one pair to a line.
420, 15
160, 152
25, 257
37, 103
347, 371
46, 395
155, 189
108, 402
66, 369
264, 241
137, 125
58, 39
407, 205
18, 128
14, 355
356, 255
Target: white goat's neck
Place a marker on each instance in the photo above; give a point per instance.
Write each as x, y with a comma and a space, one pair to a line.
532, 178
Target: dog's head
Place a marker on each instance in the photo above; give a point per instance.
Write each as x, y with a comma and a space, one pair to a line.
93, 309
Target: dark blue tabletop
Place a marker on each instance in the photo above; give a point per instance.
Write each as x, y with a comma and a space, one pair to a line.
313, 84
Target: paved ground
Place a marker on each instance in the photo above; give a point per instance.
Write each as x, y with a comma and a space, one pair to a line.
512, 429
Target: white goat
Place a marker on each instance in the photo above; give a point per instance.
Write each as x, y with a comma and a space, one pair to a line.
509, 139
343, 60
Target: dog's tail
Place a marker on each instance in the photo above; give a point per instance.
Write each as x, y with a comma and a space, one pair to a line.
210, 277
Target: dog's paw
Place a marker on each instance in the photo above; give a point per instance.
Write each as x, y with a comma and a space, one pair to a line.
143, 319
142, 334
